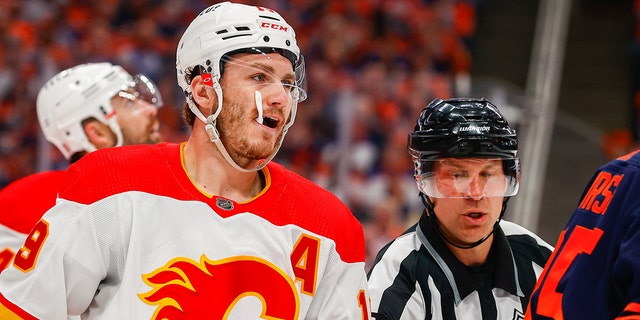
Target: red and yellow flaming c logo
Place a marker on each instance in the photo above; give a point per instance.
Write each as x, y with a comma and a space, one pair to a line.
186, 289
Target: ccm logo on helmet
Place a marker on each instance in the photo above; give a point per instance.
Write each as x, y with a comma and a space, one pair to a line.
275, 26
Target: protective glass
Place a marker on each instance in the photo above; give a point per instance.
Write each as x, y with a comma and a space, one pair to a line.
295, 84
468, 177
142, 88
262, 78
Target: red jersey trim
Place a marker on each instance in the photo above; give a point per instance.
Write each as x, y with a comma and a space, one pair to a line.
25, 200
9, 311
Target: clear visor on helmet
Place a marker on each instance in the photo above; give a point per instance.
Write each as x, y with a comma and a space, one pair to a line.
142, 88
468, 177
266, 79
262, 75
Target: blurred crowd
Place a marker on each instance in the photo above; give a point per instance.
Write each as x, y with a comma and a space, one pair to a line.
372, 65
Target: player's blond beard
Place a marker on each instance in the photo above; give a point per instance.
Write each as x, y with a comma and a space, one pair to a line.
241, 150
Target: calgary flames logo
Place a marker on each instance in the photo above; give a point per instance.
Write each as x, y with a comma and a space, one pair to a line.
186, 289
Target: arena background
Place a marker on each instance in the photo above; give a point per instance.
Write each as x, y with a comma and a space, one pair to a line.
564, 72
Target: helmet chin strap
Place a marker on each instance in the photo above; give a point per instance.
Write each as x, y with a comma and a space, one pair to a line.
434, 219
114, 126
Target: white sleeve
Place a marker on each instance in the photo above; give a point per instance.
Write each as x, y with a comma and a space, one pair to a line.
63, 268
342, 292
10, 241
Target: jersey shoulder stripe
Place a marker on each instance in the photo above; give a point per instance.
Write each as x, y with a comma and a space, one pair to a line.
511, 229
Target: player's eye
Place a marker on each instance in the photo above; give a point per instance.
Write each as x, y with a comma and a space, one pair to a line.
259, 77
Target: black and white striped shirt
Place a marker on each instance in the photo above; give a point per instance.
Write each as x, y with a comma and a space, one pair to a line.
417, 277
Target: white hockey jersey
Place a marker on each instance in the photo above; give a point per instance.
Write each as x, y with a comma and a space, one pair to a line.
131, 237
22, 204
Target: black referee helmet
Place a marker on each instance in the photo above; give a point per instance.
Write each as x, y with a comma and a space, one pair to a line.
464, 128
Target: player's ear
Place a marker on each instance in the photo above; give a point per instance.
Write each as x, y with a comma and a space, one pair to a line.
99, 134
203, 95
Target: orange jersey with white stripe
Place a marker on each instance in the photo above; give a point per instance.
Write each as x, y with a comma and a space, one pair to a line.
131, 237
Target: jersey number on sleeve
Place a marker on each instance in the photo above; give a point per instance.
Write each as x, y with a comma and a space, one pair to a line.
6, 255
582, 240
25, 259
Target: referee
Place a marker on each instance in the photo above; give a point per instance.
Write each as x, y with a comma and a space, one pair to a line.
461, 260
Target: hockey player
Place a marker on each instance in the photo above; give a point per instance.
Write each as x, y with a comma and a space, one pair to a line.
81, 109
461, 260
594, 273
209, 228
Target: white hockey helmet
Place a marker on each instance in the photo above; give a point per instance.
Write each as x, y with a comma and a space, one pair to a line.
83, 92
227, 28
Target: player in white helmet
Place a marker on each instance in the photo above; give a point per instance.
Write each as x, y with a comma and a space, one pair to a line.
124, 109
81, 109
209, 228
205, 53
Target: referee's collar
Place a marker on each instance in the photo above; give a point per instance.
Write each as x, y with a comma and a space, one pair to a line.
504, 274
